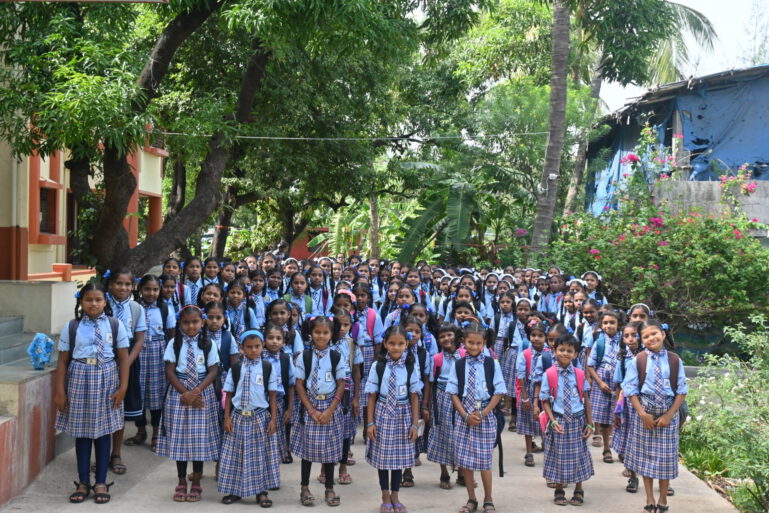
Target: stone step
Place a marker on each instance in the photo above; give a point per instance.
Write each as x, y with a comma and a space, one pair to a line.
14, 347
11, 324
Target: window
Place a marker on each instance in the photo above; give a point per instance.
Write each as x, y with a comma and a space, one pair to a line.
48, 210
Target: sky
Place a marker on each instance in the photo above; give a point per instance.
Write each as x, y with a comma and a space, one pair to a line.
730, 19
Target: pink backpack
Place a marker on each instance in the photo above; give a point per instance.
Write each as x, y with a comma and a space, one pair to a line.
438, 361
552, 380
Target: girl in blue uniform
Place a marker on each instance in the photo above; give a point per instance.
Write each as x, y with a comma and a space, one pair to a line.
392, 415
91, 381
280, 359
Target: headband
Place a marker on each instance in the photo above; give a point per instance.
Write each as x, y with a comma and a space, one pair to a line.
196, 307
598, 276
251, 333
527, 300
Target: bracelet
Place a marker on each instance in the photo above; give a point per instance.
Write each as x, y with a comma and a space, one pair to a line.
369, 424
525, 400
467, 414
590, 427
414, 426
554, 422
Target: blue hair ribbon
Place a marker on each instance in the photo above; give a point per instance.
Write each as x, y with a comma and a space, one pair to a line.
665, 326
410, 336
107, 274
77, 295
251, 333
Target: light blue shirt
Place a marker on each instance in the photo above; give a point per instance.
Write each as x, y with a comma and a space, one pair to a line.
257, 396
318, 307
238, 315
155, 328
364, 338
272, 295
191, 290
200, 357
414, 386
299, 302
449, 361
121, 310
343, 348
259, 310
85, 339
505, 319
481, 389
568, 382
274, 359
630, 385
611, 349
216, 339
519, 340
326, 383
587, 334
535, 372
488, 303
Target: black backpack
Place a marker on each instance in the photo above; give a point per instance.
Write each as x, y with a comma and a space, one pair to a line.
266, 372
307, 359
74, 323
380, 368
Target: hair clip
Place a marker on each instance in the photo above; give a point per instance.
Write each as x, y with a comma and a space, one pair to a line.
410, 336
465, 324
665, 326
181, 264
406, 306
77, 295
570, 330
137, 280
107, 274
205, 317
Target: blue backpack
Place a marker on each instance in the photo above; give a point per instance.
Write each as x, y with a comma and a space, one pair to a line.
40, 351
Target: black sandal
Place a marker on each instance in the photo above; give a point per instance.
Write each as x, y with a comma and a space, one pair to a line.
651, 508
528, 460
138, 439
102, 497
559, 497
229, 499
408, 480
578, 498
470, 507
288, 459
662, 508
305, 497
79, 495
154, 444
332, 500
607, 457
632, 485
488, 507
671, 492
117, 468
263, 500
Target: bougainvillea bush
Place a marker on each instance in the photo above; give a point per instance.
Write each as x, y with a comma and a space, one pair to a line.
687, 266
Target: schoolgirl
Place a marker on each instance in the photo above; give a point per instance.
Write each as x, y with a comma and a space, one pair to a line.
351, 353
161, 324
283, 364
476, 387
192, 280
489, 295
593, 281
656, 387
588, 328
502, 287
568, 314
639, 312
501, 322
630, 345
600, 367
516, 340
392, 415
290, 268
257, 294
467, 280
464, 294
426, 283
120, 285
250, 458
527, 421
173, 268
425, 368
320, 380
379, 285
274, 284
211, 268
320, 295
239, 311
221, 337
440, 443
229, 274
541, 295
565, 401
168, 293
429, 327
90, 386
367, 332
279, 312
189, 428
522, 291
390, 304
209, 293
576, 285
405, 298
297, 287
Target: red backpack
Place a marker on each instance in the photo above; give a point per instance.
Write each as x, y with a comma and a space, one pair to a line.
552, 379
370, 323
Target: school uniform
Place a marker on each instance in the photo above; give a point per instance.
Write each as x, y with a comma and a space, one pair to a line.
427, 370
152, 371
505, 319
392, 319
601, 403
366, 342
654, 452
489, 302
343, 348
567, 457
392, 449
215, 280
281, 399
191, 290
271, 295
319, 443
259, 309
474, 445
518, 342
525, 422
481, 311
92, 377
440, 440
250, 458
241, 318
619, 435
554, 301
301, 303
186, 433
124, 312
320, 301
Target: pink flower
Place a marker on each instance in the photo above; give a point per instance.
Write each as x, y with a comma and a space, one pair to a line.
657, 221
737, 234
625, 175
606, 208
520, 232
595, 252
754, 220
678, 135
655, 266
663, 243
630, 158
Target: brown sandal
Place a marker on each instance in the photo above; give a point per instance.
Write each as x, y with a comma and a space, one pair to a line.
332, 499
607, 457
306, 498
102, 497
470, 507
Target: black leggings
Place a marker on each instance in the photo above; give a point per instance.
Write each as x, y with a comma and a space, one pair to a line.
154, 419
328, 470
181, 468
345, 451
394, 484
83, 454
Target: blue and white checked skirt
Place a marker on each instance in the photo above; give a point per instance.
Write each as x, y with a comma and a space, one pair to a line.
567, 457
350, 420
474, 446
525, 421
319, 443
190, 434
89, 412
619, 434
652, 452
392, 449
440, 443
601, 403
152, 372
508, 369
250, 460
368, 360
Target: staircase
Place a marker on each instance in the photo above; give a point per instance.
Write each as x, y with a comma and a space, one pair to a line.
27, 415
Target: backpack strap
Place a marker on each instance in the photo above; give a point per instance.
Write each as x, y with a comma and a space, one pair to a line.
422, 359
224, 350
266, 373
235, 373
136, 312
642, 360
547, 360
380, 367
308, 305
307, 359
552, 380
527, 357
370, 322
285, 361
114, 325
163, 306
325, 298
460, 369
437, 364
488, 371
72, 331
600, 349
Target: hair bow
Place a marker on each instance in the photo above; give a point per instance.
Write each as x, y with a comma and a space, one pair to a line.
77, 295
406, 306
465, 324
137, 280
570, 330
532, 322
410, 336
107, 274
181, 264
665, 326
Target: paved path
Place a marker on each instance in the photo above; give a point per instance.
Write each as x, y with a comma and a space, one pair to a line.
148, 485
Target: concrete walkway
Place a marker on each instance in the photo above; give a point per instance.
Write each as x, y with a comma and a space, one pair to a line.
148, 486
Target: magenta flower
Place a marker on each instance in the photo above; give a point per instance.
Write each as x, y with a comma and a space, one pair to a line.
663, 243
655, 266
678, 135
657, 221
606, 208
737, 234
520, 232
754, 220
630, 158
595, 252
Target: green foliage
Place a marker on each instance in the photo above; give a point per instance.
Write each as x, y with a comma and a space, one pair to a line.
728, 434
689, 267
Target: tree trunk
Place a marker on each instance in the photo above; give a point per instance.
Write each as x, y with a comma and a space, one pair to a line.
373, 237
548, 188
575, 183
222, 228
178, 194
